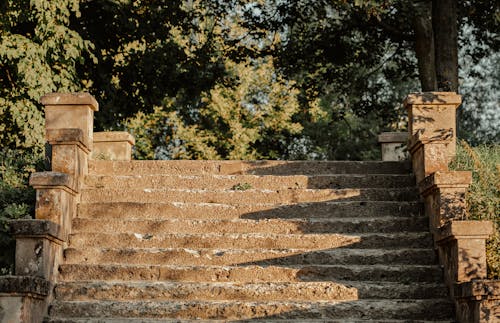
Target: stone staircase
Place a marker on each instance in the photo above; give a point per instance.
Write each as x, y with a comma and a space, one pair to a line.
178, 241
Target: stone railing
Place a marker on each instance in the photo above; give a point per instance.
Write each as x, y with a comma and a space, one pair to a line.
460, 243
40, 242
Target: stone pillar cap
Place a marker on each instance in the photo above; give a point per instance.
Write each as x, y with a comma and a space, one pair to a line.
434, 98
401, 137
52, 179
70, 99
449, 179
472, 229
114, 136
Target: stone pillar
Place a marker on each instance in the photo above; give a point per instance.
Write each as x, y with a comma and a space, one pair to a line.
478, 301
444, 197
432, 130
69, 122
113, 145
462, 250
393, 145
56, 195
38, 248
25, 296
23, 299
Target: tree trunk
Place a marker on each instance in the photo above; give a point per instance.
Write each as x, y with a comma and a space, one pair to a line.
424, 44
444, 22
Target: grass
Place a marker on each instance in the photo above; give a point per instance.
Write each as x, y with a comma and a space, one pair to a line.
483, 196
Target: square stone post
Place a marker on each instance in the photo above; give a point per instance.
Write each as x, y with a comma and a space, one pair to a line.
56, 195
69, 122
38, 248
25, 296
113, 145
393, 145
462, 250
432, 130
444, 197
478, 301
23, 299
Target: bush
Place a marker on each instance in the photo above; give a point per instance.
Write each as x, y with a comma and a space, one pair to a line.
17, 199
483, 196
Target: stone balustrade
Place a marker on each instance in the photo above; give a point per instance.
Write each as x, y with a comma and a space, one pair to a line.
460, 242
69, 122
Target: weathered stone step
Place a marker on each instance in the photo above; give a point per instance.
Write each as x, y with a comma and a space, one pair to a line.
266, 272
136, 320
244, 182
179, 256
252, 273
269, 291
434, 309
229, 167
288, 196
251, 241
276, 226
269, 320
130, 210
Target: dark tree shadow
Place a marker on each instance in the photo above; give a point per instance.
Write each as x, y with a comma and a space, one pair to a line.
408, 258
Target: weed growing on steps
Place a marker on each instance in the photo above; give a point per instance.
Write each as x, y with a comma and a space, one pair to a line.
241, 187
483, 196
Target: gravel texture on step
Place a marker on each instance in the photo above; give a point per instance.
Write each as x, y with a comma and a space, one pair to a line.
267, 291
138, 320
165, 210
253, 240
132, 320
285, 273
243, 182
86, 271
269, 167
435, 309
234, 197
274, 226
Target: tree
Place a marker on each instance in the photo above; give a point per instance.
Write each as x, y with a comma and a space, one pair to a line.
250, 116
151, 50
38, 54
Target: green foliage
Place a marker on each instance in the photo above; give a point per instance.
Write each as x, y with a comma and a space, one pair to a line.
250, 117
151, 50
17, 199
241, 187
483, 196
38, 54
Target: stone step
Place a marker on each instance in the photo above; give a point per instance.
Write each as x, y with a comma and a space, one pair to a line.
431, 309
141, 320
248, 273
236, 167
251, 240
269, 291
222, 257
248, 197
141, 210
244, 182
275, 226
278, 272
